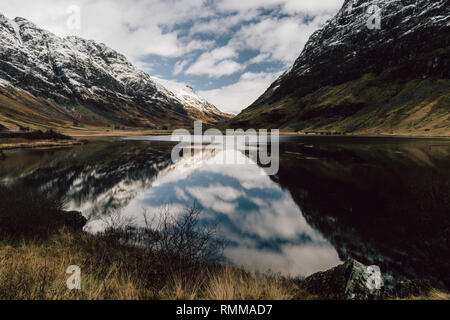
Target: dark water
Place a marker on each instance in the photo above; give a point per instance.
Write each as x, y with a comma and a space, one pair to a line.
384, 202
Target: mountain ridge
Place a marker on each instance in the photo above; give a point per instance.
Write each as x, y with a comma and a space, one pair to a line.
352, 79
71, 79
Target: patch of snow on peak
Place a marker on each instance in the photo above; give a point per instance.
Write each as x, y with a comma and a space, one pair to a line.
186, 95
4, 83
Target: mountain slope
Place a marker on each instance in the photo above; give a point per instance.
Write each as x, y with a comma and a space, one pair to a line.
79, 81
353, 79
191, 100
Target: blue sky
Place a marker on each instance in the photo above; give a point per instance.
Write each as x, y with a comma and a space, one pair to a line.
229, 51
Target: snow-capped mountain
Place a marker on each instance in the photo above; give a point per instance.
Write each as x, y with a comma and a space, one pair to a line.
353, 45
374, 67
189, 98
86, 81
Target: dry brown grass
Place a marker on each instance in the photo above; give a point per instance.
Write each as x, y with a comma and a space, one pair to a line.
33, 269
179, 261
36, 270
434, 294
18, 143
232, 284
228, 283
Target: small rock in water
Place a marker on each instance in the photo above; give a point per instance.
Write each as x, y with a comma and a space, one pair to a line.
349, 281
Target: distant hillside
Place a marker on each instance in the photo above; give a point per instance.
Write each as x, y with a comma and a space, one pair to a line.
352, 79
50, 81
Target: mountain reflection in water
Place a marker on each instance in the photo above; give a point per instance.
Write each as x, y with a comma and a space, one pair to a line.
381, 201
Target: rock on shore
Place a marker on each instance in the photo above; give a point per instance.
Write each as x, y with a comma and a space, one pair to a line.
349, 281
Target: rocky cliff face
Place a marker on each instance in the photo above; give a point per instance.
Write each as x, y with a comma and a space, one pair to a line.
86, 80
334, 83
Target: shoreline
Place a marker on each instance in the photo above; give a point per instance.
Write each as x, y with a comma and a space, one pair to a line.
83, 138
38, 144
69, 242
130, 133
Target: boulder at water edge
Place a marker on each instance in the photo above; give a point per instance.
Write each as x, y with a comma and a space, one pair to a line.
349, 281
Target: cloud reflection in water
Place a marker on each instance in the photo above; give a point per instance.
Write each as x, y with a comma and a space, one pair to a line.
263, 226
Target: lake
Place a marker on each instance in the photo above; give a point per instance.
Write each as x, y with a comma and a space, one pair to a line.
382, 201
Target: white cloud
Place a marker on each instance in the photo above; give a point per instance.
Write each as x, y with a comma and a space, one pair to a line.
145, 66
287, 6
260, 58
280, 38
217, 63
235, 97
179, 67
220, 25
313, 7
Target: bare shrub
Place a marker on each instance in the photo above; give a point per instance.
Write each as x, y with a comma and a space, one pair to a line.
182, 241
178, 241
118, 228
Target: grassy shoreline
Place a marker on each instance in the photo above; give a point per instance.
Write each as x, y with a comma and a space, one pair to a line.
143, 132
33, 269
17, 143
79, 137
12, 144
36, 139
178, 259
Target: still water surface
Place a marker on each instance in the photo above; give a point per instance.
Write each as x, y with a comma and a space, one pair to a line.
381, 201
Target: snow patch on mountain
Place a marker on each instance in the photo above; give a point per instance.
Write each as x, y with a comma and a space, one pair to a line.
4, 83
186, 95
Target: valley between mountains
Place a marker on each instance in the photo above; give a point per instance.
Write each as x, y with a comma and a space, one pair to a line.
352, 203
349, 80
